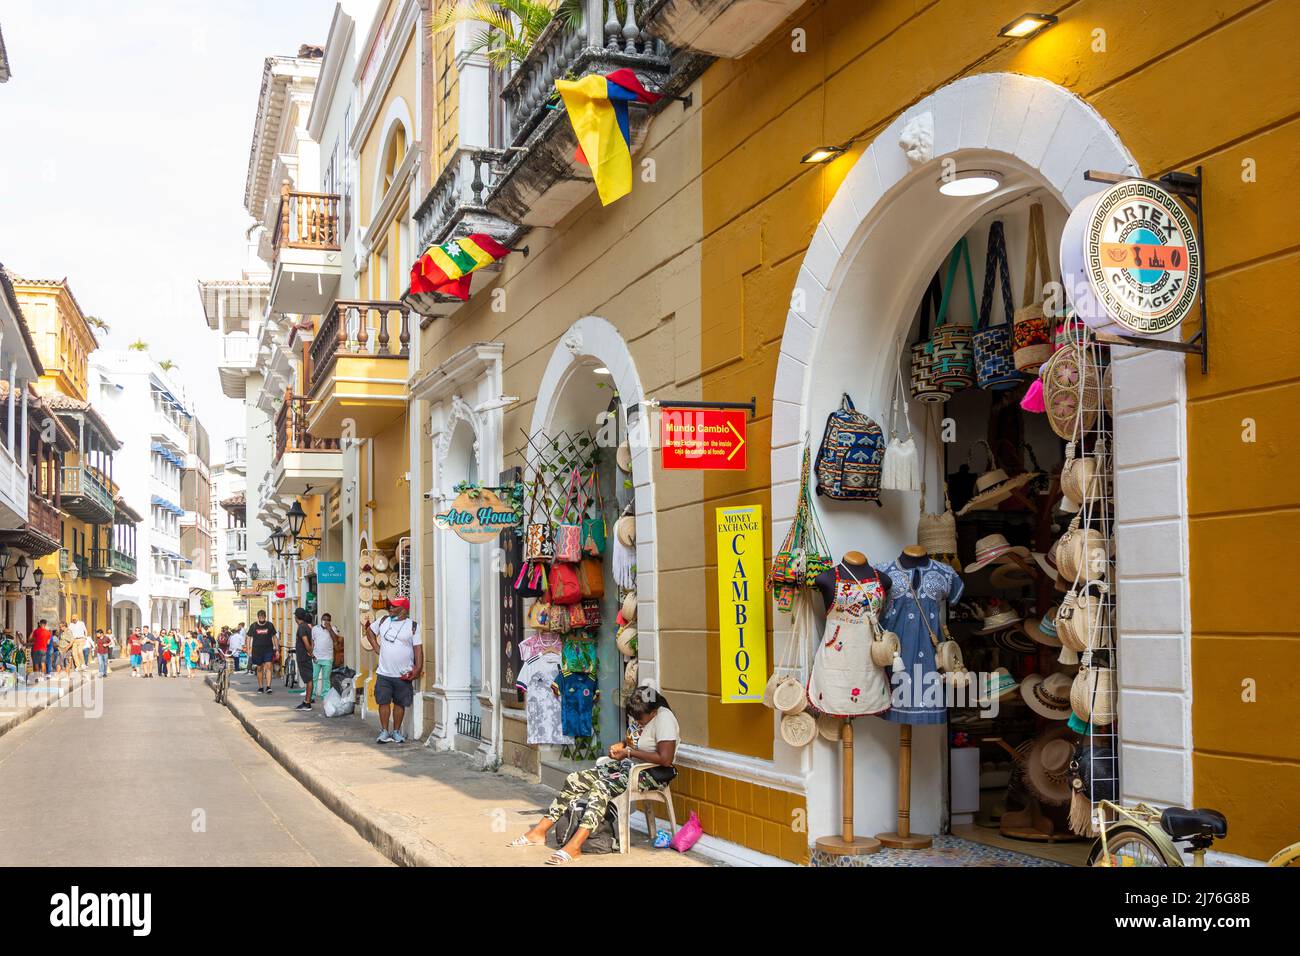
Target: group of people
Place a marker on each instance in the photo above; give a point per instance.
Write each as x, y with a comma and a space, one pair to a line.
170, 653
54, 649
318, 649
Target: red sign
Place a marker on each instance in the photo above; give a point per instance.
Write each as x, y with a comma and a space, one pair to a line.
703, 438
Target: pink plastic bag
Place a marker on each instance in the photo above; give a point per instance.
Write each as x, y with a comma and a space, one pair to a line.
688, 835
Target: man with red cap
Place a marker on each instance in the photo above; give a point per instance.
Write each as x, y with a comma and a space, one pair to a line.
396, 639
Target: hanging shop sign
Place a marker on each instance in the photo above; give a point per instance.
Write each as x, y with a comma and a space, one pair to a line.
478, 517
331, 572
1130, 260
702, 439
741, 604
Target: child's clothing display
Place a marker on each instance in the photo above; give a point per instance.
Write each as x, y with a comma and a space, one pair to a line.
542, 707
932, 582
844, 681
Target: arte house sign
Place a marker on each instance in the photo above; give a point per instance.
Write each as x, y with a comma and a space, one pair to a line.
1141, 259
477, 518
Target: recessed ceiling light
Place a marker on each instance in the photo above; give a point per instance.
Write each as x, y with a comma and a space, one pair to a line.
971, 182
1027, 25
600, 370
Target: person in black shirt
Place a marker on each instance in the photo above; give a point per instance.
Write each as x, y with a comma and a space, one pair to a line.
262, 632
302, 654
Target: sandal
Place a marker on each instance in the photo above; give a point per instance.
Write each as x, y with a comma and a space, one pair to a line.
524, 841
559, 858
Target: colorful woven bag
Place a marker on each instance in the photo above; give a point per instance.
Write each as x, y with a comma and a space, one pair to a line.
1032, 330
923, 386
848, 462
804, 553
953, 367
539, 539
995, 367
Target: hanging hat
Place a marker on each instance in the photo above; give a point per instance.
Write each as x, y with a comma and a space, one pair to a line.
1011, 577
628, 609
626, 641
996, 616
623, 457
1043, 630
994, 487
1013, 639
1046, 562
625, 531
1047, 767
1048, 696
381, 562
991, 548
998, 685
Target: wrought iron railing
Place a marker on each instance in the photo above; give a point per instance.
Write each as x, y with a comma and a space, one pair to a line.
371, 329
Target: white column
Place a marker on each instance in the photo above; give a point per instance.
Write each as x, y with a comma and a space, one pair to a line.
26, 438
13, 374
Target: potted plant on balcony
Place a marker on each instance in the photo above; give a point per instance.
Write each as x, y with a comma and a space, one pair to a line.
510, 27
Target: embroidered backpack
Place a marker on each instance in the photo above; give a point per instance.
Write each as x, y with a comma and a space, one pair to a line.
848, 462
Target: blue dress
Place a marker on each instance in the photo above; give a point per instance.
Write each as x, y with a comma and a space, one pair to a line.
917, 691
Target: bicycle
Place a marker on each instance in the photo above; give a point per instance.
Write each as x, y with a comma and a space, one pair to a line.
221, 685
1141, 835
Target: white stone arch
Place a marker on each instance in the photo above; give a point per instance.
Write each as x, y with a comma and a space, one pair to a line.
397, 116
1042, 138
593, 337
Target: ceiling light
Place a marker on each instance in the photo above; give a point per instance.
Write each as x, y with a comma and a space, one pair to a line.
1027, 25
972, 182
600, 370
823, 154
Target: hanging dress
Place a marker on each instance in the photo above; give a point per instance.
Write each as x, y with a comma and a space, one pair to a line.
844, 682
918, 692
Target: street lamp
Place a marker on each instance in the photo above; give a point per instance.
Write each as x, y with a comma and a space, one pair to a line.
277, 541
4, 558
296, 518
37, 577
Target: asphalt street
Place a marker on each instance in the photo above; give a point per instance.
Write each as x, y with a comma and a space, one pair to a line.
162, 776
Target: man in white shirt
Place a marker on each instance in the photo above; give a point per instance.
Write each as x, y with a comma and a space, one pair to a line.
80, 644
237, 644
322, 654
396, 640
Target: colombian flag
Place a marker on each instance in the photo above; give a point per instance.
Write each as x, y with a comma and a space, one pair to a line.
447, 268
597, 107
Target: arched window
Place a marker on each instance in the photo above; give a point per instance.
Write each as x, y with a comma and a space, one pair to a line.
394, 153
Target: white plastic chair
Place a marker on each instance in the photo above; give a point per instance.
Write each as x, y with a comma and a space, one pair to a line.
648, 798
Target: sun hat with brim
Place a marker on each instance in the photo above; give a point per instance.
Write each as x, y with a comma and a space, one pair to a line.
623, 457
998, 685
994, 547
625, 531
1013, 639
1011, 577
999, 621
1043, 630
994, 487
1048, 696
628, 608
1047, 766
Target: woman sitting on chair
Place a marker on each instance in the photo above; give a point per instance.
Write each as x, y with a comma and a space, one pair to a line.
656, 744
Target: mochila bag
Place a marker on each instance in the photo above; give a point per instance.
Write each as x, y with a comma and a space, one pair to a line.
804, 554
591, 612
950, 343
531, 581
936, 532
566, 588
539, 538
848, 462
594, 534
578, 616
591, 578
539, 615
995, 367
1071, 391
1031, 328
923, 386
568, 533
558, 620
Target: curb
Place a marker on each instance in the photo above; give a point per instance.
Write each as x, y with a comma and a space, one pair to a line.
400, 844
20, 718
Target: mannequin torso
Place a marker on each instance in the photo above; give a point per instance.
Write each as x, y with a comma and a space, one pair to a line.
853, 565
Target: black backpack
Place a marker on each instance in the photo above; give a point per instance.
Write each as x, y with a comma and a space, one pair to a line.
603, 840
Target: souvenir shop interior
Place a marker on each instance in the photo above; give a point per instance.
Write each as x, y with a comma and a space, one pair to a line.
569, 644
948, 570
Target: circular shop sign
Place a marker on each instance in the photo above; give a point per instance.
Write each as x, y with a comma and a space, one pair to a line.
479, 518
1141, 258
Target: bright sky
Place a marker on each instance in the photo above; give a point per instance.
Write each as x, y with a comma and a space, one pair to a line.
124, 138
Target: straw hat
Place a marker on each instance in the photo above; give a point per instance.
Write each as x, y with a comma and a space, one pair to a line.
994, 487
991, 548
628, 609
1011, 577
1043, 630
1013, 639
626, 640
996, 617
1047, 767
998, 685
625, 531
623, 457
629, 676
1047, 696
381, 562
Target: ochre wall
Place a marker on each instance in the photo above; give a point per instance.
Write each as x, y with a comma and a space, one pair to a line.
1233, 61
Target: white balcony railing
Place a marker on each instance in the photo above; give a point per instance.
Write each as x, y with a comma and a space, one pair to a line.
239, 350
236, 452
13, 489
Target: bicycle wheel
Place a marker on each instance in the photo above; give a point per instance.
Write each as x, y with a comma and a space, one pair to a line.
1128, 847
1290, 856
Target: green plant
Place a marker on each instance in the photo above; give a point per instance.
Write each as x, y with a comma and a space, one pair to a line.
166, 365
95, 322
510, 27
139, 345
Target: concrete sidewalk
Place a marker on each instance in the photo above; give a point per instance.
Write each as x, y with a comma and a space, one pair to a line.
417, 806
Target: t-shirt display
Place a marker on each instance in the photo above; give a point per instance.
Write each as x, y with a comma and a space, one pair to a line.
542, 707
577, 698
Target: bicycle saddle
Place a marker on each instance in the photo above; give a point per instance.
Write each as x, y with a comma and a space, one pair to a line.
1183, 824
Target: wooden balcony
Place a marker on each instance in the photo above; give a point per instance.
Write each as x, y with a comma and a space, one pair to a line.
358, 367
41, 534
302, 460
115, 566
85, 495
291, 432
305, 245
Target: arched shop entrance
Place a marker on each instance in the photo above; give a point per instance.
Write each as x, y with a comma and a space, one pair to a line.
853, 316
580, 417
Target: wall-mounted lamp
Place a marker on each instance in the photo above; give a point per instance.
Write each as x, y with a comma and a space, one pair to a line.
1027, 25
824, 154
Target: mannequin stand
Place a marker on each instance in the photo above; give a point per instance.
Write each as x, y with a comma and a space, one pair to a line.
903, 838
846, 844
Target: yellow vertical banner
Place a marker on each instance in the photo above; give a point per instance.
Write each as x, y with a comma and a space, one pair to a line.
741, 604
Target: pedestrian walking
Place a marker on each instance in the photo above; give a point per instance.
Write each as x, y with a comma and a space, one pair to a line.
40, 640
302, 653
79, 645
104, 645
205, 650
396, 640
262, 634
136, 650
238, 638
